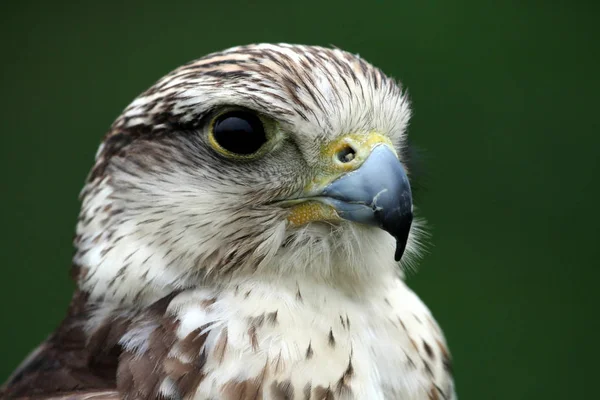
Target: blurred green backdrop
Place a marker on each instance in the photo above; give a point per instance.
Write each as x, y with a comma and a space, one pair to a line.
506, 101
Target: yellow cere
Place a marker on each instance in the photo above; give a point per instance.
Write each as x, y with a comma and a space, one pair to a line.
362, 143
331, 168
311, 211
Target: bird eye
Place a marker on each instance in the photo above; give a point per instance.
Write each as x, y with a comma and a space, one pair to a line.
238, 133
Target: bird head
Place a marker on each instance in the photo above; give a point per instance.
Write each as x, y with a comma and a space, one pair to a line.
261, 160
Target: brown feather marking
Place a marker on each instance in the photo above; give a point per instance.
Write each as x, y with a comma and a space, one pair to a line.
253, 338
446, 358
125, 381
307, 390
428, 350
309, 351
343, 385
221, 345
414, 344
440, 392
282, 390
299, 295
433, 394
279, 363
141, 374
186, 376
427, 368
208, 302
331, 338
402, 324
175, 368
191, 345
138, 375
409, 360
323, 393
272, 317
250, 389
257, 321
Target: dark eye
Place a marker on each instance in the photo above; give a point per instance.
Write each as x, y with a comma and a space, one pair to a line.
238, 133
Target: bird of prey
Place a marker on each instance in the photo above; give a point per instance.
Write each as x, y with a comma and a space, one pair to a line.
242, 235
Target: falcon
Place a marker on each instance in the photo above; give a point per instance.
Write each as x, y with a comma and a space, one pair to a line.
243, 235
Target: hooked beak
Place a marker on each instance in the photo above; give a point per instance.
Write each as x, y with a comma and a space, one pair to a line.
378, 193
375, 192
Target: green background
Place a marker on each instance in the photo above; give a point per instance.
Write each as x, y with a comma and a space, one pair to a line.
506, 100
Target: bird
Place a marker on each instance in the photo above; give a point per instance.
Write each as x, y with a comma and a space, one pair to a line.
245, 233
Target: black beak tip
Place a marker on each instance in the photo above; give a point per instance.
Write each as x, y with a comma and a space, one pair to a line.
400, 247
400, 230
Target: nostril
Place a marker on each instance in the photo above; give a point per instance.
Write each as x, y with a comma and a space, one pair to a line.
346, 154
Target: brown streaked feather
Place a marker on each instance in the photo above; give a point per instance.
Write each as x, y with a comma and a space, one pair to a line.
65, 362
77, 365
141, 374
250, 389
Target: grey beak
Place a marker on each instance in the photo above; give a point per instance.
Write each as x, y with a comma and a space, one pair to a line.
377, 193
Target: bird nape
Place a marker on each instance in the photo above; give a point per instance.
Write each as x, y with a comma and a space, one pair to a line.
237, 238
